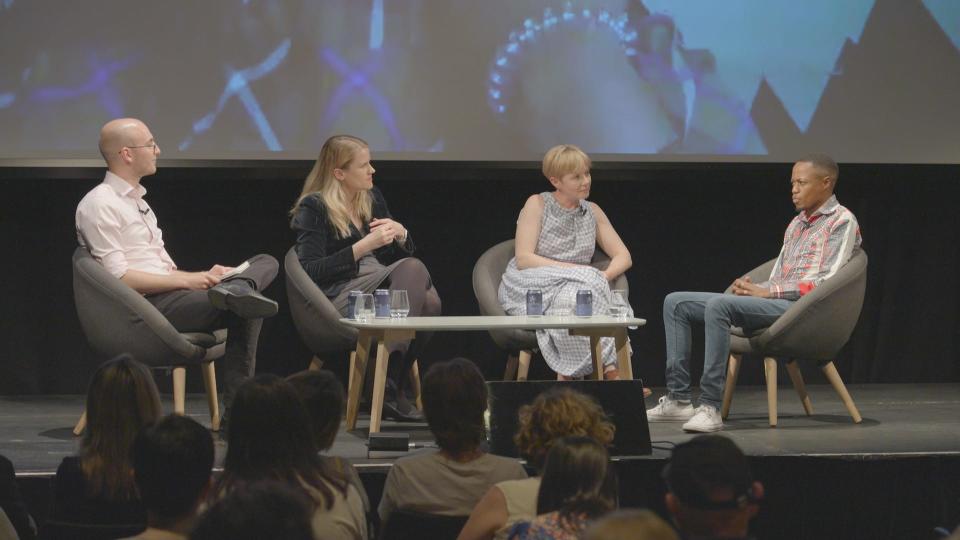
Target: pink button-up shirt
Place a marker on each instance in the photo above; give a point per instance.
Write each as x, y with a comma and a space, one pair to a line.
120, 229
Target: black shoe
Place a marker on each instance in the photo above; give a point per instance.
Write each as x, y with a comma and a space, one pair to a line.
391, 411
239, 297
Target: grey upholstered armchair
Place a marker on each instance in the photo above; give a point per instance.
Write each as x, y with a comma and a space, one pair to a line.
519, 344
815, 328
116, 319
318, 321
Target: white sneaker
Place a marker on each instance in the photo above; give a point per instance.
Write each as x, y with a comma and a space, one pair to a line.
670, 410
706, 420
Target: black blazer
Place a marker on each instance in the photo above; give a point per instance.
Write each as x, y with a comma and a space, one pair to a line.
327, 258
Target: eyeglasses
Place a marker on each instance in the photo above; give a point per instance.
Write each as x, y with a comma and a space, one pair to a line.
152, 146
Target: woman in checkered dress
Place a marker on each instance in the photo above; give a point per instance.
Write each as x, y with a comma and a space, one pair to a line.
557, 233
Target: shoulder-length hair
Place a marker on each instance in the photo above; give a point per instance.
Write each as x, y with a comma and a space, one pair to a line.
269, 438
338, 152
577, 479
121, 399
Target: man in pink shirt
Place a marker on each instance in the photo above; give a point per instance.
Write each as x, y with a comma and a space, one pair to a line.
120, 230
819, 240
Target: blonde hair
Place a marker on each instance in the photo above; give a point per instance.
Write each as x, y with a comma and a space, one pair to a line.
556, 413
565, 159
338, 152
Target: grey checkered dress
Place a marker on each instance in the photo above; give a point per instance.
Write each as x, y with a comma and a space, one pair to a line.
567, 235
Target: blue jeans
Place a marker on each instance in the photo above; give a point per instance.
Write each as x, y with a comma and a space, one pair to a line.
718, 312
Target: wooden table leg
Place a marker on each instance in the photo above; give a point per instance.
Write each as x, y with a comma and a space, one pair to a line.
358, 369
623, 353
379, 385
596, 347
380, 372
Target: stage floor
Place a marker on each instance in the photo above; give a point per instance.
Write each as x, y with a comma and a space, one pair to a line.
899, 420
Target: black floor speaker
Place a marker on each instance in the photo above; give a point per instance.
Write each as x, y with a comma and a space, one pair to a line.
622, 401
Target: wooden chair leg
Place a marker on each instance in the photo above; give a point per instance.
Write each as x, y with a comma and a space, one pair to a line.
415, 383
316, 364
510, 372
833, 376
770, 370
733, 371
793, 369
81, 424
210, 385
179, 389
524, 367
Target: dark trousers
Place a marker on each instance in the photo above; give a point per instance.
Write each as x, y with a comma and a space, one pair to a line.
191, 311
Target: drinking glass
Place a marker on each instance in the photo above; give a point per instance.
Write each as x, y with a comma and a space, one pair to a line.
364, 309
619, 306
399, 304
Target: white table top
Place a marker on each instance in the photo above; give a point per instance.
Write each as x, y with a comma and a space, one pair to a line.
486, 322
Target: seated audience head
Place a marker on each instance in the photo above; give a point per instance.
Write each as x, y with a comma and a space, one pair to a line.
322, 395
342, 176
172, 461
630, 525
710, 490
578, 479
813, 180
129, 148
559, 412
269, 439
454, 399
121, 399
261, 510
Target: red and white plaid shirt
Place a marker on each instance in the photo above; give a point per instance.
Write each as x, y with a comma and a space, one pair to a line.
814, 248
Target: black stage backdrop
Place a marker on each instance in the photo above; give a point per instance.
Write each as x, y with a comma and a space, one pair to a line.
688, 227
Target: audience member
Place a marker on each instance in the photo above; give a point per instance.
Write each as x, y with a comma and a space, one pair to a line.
97, 486
558, 412
451, 480
172, 461
264, 509
630, 525
267, 441
579, 485
11, 503
323, 396
710, 491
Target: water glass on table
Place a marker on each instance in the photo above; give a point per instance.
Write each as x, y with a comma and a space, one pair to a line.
619, 306
399, 304
364, 308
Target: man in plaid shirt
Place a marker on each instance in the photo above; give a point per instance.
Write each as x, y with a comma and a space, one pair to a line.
817, 243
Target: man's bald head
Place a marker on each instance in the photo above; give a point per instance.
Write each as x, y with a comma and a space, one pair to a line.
117, 133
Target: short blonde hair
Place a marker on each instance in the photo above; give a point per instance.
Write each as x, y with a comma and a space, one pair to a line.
556, 413
565, 159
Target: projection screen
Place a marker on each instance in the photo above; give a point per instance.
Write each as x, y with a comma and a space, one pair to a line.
487, 80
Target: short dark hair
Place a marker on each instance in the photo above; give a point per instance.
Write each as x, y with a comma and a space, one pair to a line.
454, 399
266, 509
322, 394
577, 478
172, 460
704, 464
824, 164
